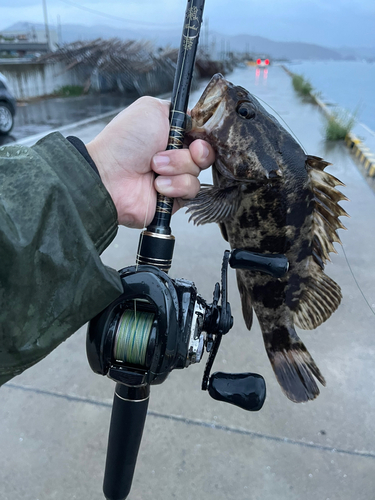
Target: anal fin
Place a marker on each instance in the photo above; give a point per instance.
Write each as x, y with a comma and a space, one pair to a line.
320, 297
247, 308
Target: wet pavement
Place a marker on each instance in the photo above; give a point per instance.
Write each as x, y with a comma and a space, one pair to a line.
54, 418
44, 115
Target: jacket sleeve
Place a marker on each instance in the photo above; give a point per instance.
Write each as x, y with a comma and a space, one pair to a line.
56, 218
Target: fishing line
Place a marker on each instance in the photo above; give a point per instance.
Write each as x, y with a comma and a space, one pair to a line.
356, 282
285, 123
146, 215
346, 258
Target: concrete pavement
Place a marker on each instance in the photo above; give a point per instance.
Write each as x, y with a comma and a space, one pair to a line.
54, 418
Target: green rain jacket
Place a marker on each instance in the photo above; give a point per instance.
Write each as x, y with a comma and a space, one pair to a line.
56, 218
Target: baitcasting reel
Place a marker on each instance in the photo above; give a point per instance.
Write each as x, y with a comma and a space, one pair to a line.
157, 325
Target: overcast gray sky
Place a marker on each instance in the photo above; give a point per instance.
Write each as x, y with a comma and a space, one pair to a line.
332, 23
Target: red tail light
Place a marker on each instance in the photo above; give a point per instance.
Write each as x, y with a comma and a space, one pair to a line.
259, 61
266, 62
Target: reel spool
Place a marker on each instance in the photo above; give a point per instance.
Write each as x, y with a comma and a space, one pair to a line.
132, 337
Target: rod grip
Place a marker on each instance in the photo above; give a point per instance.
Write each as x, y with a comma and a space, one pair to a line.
127, 422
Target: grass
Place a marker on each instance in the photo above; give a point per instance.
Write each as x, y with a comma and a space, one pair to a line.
69, 91
339, 124
302, 86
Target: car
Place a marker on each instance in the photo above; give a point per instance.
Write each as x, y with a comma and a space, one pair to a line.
263, 62
8, 107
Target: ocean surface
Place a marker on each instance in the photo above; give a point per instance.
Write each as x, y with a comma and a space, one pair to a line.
349, 84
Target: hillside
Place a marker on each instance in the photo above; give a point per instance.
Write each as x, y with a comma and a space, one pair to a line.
217, 41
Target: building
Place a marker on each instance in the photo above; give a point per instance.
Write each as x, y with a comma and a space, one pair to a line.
27, 40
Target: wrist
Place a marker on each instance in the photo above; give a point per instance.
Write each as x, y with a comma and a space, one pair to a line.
94, 154
113, 179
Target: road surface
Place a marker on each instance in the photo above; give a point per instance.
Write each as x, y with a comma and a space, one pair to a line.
54, 418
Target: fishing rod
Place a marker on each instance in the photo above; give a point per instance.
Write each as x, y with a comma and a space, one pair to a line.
159, 324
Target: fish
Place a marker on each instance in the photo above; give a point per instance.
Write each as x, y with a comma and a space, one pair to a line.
268, 196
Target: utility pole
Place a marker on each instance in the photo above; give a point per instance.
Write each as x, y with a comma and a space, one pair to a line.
206, 33
59, 31
46, 23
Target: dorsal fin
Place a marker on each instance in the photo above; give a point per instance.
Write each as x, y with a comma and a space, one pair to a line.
326, 210
320, 295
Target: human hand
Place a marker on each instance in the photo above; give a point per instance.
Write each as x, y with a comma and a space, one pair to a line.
132, 147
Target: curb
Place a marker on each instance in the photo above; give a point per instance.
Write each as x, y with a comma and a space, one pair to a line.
362, 153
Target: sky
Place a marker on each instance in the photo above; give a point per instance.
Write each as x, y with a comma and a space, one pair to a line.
332, 23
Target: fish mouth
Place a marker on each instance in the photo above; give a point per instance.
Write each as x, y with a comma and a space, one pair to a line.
210, 109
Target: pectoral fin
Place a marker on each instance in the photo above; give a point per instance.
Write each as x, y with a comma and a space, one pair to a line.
213, 204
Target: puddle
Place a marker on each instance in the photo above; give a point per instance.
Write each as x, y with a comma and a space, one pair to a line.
48, 114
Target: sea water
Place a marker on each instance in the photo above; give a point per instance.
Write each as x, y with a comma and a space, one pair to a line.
349, 84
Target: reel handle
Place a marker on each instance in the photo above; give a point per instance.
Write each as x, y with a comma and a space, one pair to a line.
245, 390
275, 265
127, 422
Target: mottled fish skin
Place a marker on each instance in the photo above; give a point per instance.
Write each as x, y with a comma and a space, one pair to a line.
270, 197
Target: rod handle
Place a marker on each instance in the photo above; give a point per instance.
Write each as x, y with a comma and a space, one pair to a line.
125, 434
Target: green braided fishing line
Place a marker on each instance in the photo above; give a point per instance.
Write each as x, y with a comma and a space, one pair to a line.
132, 336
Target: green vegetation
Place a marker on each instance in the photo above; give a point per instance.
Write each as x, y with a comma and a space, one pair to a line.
302, 86
339, 124
69, 91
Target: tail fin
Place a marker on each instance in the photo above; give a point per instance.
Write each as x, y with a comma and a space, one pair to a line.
293, 365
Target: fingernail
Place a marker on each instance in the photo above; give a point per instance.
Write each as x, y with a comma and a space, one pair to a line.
163, 182
161, 160
205, 151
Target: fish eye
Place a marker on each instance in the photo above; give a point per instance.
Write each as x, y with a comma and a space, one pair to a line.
246, 110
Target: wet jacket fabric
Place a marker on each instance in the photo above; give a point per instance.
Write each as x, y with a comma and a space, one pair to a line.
56, 218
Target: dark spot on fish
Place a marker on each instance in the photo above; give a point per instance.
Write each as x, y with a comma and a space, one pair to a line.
272, 296
279, 339
242, 170
274, 243
299, 210
245, 221
305, 250
293, 291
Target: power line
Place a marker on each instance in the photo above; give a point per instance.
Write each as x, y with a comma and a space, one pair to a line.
117, 18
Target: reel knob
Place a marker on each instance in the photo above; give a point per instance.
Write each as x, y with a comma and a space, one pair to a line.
246, 390
272, 264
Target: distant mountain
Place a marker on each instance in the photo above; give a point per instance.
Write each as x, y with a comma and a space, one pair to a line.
358, 52
218, 42
279, 50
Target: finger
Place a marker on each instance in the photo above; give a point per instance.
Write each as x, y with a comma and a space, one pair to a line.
178, 186
175, 162
200, 155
